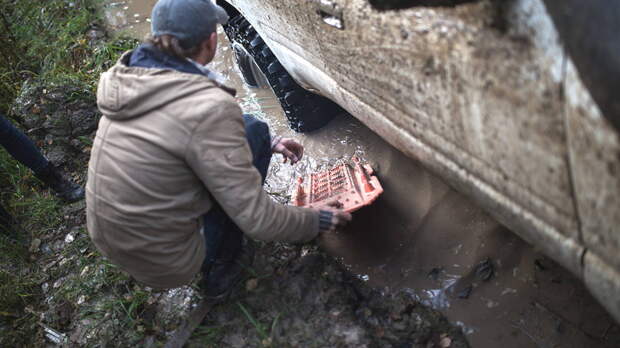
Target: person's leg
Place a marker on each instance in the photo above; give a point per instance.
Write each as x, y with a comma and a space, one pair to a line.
259, 139
25, 151
222, 236
20, 146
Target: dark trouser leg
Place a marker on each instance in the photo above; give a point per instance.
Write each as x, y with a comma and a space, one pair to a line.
223, 237
20, 146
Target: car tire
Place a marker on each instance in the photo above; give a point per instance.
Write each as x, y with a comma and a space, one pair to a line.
252, 75
304, 110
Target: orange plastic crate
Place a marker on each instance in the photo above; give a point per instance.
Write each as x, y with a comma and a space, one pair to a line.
352, 186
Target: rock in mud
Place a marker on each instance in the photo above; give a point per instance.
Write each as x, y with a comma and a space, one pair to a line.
465, 292
485, 269
434, 273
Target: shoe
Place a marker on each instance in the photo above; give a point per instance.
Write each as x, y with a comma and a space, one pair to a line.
221, 280
65, 189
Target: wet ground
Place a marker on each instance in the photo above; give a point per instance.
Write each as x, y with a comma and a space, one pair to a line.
424, 238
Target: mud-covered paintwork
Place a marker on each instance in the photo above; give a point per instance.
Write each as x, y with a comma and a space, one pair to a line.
484, 95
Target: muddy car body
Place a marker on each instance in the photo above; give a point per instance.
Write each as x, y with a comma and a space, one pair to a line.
483, 94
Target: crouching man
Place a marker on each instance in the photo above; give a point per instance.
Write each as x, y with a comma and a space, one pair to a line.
176, 171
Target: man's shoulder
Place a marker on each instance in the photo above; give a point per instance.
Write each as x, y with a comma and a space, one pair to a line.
211, 108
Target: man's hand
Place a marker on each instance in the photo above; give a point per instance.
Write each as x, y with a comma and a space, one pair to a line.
339, 218
289, 148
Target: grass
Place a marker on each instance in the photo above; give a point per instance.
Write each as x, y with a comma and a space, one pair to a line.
48, 42
258, 326
19, 277
261, 329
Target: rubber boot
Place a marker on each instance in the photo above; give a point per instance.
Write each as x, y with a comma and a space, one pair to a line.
65, 189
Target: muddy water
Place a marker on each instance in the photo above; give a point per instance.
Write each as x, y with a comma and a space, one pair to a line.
423, 237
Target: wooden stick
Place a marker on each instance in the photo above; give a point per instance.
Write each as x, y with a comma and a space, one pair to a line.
184, 331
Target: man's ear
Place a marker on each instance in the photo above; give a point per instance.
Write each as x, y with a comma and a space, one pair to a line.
212, 42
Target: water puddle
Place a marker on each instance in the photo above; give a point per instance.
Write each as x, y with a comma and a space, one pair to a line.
130, 16
423, 237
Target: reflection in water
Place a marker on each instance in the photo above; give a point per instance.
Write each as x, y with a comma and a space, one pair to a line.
421, 236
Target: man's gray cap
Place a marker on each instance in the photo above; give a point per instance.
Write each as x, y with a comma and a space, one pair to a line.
191, 21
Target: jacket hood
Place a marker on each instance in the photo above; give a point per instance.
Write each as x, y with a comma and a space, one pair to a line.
127, 92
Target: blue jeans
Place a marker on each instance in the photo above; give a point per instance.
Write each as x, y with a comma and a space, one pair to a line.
20, 146
224, 239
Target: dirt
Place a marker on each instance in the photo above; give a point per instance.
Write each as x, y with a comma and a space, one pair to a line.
59, 116
307, 299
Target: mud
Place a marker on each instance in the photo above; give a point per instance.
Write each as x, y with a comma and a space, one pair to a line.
420, 238
302, 298
59, 116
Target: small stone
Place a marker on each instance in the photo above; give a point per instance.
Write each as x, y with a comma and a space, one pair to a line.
251, 284
84, 271
399, 326
69, 238
485, 269
63, 262
538, 263
465, 292
445, 341
434, 273
58, 283
34, 245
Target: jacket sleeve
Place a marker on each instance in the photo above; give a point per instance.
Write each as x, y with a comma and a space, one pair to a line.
219, 154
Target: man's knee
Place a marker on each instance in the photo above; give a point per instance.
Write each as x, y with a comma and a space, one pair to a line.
255, 128
257, 133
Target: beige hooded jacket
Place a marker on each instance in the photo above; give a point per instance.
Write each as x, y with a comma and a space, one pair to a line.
168, 146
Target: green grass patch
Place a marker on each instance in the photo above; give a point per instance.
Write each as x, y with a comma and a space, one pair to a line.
20, 278
51, 42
